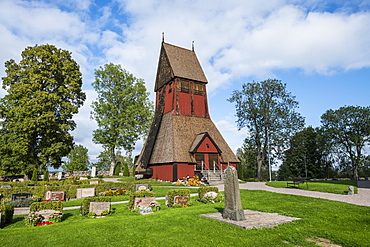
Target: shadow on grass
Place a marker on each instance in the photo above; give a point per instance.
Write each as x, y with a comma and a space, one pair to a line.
66, 215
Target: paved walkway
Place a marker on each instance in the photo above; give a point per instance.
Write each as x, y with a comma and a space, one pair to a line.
362, 198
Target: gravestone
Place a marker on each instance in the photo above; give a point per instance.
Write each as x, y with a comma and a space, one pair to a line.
233, 205
60, 174
31, 185
99, 207
54, 195
351, 190
21, 196
143, 201
141, 187
85, 192
46, 213
83, 178
93, 171
94, 182
180, 200
5, 186
0, 218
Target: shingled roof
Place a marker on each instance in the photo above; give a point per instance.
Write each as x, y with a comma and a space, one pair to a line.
174, 62
177, 135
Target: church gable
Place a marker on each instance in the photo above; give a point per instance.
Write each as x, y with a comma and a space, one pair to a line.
203, 143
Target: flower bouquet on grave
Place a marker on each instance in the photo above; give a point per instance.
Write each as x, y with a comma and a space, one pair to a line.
56, 217
44, 223
32, 219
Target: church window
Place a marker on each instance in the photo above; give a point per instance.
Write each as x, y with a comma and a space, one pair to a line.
198, 89
184, 86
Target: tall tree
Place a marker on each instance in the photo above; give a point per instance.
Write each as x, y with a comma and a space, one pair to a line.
306, 155
44, 91
248, 159
349, 130
104, 161
123, 110
78, 159
268, 111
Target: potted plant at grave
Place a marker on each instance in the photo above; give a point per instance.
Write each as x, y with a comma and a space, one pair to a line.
91, 214
104, 212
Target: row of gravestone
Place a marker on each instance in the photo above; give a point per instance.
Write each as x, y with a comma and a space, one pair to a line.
60, 195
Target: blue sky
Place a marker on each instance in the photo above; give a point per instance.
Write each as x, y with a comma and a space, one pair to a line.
320, 49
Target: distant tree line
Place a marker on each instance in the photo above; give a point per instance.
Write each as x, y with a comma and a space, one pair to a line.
337, 148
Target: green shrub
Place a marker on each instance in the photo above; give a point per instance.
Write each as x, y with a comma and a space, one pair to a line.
7, 212
68, 186
24, 203
141, 193
178, 192
54, 205
91, 214
35, 176
203, 190
86, 202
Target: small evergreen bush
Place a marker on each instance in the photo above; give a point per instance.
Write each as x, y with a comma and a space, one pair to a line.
7, 212
54, 205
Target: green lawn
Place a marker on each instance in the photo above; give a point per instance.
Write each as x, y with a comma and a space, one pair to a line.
344, 224
333, 186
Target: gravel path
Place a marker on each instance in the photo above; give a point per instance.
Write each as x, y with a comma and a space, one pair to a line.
362, 198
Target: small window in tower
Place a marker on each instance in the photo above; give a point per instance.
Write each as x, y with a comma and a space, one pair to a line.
184, 86
170, 88
198, 89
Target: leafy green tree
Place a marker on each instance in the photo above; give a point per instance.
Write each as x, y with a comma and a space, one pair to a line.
248, 159
348, 129
103, 162
44, 91
268, 111
122, 111
78, 159
306, 156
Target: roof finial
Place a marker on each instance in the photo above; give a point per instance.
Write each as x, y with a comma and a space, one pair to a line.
192, 46
162, 37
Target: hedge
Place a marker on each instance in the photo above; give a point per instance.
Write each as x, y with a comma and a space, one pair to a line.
86, 202
7, 212
69, 189
178, 192
141, 193
203, 190
54, 205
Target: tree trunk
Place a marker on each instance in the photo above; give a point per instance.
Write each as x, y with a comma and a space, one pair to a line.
113, 162
259, 164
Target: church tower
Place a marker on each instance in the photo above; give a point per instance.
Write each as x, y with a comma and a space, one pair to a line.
183, 140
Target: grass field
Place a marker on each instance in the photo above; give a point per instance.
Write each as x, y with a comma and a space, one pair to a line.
344, 224
332, 186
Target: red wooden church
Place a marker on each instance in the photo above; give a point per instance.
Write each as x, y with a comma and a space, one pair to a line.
183, 140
